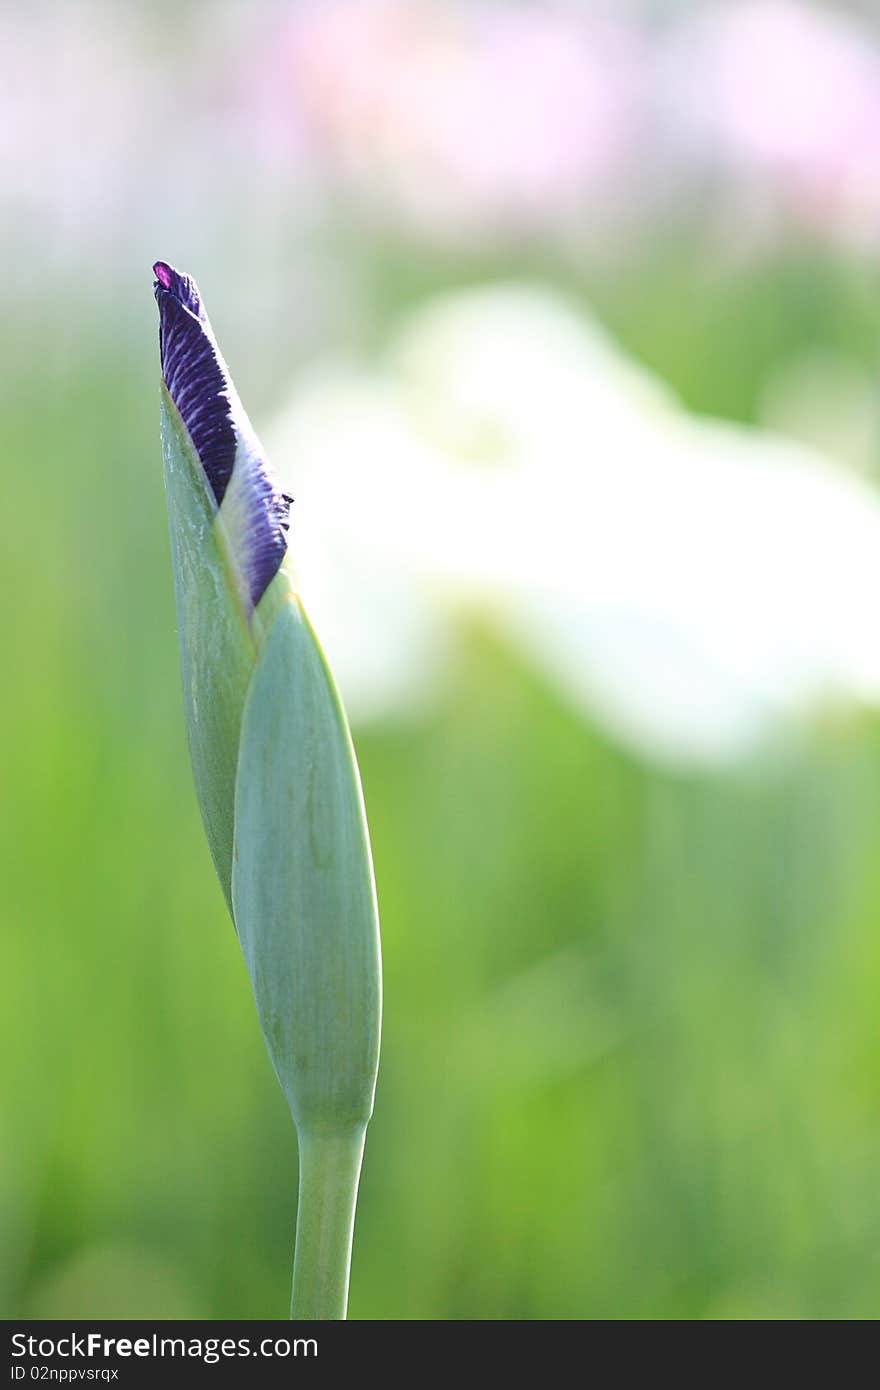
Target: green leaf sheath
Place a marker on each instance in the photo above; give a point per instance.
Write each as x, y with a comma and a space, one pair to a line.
302, 883
216, 647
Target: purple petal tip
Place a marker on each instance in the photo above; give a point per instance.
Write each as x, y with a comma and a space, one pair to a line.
179, 286
199, 385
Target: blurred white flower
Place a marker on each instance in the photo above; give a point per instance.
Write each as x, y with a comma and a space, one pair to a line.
692, 585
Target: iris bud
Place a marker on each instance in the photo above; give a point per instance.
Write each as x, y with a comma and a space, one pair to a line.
277, 782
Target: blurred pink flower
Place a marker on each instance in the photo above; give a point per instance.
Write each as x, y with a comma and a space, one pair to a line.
786, 96
470, 119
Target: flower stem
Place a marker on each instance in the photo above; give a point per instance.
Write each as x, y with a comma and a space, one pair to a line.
329, 1172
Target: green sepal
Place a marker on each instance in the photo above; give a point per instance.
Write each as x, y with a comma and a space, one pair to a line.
217, 652
302, 882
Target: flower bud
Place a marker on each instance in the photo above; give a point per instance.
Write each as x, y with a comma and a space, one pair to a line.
274, 767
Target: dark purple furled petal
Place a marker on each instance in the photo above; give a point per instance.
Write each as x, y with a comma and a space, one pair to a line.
261, 532
195, 374
199, 384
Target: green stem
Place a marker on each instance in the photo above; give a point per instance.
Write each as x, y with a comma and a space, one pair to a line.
329, 1172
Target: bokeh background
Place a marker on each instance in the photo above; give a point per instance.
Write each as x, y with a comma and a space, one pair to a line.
562, 322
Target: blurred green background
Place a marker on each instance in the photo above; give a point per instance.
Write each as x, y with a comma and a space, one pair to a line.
631, 1059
